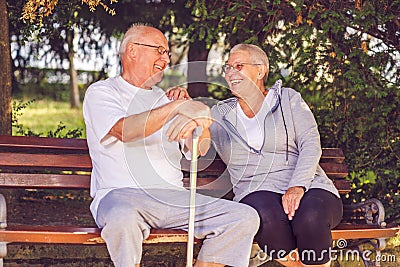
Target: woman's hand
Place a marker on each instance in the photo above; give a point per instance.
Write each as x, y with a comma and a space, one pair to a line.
177, 92
291, 200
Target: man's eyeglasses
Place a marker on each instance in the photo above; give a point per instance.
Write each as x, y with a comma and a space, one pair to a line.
160, 49
237, 66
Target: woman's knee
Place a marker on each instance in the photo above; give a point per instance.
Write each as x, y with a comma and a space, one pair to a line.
310, 216
272, 218
268, 206
319, 208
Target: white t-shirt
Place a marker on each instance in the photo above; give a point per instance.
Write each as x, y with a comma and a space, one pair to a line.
252, 129
152, 162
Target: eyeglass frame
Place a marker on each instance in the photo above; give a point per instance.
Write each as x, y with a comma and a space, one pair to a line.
238, 67
160, 49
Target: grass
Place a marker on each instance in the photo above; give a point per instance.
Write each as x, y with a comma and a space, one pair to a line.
44, 115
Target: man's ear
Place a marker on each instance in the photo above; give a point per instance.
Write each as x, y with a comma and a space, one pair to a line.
131, 51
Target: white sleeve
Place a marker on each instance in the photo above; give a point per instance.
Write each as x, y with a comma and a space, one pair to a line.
101, 110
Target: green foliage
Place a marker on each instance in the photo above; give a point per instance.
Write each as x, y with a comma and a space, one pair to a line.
60, 131
356, 101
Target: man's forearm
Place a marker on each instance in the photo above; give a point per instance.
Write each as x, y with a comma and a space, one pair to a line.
139, 126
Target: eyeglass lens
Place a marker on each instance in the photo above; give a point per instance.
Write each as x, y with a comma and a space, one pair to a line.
227, 67
160, 49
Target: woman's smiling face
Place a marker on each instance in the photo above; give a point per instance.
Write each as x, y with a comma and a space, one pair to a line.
240, 73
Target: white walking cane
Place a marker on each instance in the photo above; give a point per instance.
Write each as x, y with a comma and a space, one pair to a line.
193, 177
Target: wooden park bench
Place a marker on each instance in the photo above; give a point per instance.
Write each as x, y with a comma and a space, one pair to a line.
55, 163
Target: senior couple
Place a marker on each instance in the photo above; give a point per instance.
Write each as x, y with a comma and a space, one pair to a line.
267, 137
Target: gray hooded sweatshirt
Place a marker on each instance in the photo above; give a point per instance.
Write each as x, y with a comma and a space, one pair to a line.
290, 151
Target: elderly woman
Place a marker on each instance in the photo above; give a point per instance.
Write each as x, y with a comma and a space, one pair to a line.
270, 142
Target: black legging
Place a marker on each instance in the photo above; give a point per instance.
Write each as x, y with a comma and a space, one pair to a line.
309, 231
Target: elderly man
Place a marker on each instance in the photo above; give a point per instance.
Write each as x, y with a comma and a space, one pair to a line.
133, 132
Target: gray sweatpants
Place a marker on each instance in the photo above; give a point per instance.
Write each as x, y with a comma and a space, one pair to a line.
126, 216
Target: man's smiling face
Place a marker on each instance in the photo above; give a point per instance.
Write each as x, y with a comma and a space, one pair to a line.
150, 64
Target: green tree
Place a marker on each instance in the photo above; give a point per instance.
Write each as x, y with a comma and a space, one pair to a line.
169, 16
53, 36
5, 76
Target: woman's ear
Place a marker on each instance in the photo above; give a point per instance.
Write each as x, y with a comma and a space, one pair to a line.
262, 71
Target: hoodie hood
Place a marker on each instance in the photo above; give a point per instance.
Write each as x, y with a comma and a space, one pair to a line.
225, 107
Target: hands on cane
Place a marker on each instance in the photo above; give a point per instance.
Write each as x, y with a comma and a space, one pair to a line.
190, 114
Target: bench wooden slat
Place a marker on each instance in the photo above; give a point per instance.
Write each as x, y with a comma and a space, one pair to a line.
360, 232
82, 181
78, 235
40, 144
332, 154
91, 235
51, 161
343, 186
83, 162
33, 144
332, 169
39, 180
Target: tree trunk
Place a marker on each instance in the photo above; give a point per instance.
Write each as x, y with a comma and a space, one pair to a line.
197, 74
5, 73
73, 74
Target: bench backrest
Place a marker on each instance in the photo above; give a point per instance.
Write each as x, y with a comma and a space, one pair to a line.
42, 162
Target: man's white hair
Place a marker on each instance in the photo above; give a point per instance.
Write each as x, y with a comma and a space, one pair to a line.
135, 33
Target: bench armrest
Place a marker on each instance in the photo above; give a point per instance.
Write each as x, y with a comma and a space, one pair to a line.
3, 212
371, 212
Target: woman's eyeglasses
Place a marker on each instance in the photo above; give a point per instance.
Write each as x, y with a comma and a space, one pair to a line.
160, 49
236, 66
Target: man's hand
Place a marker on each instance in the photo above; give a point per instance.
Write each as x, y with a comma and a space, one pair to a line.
177, 93
197, 111
190, 115
181, 127
291, 200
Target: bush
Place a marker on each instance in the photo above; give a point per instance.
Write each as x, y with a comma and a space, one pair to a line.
60, 130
